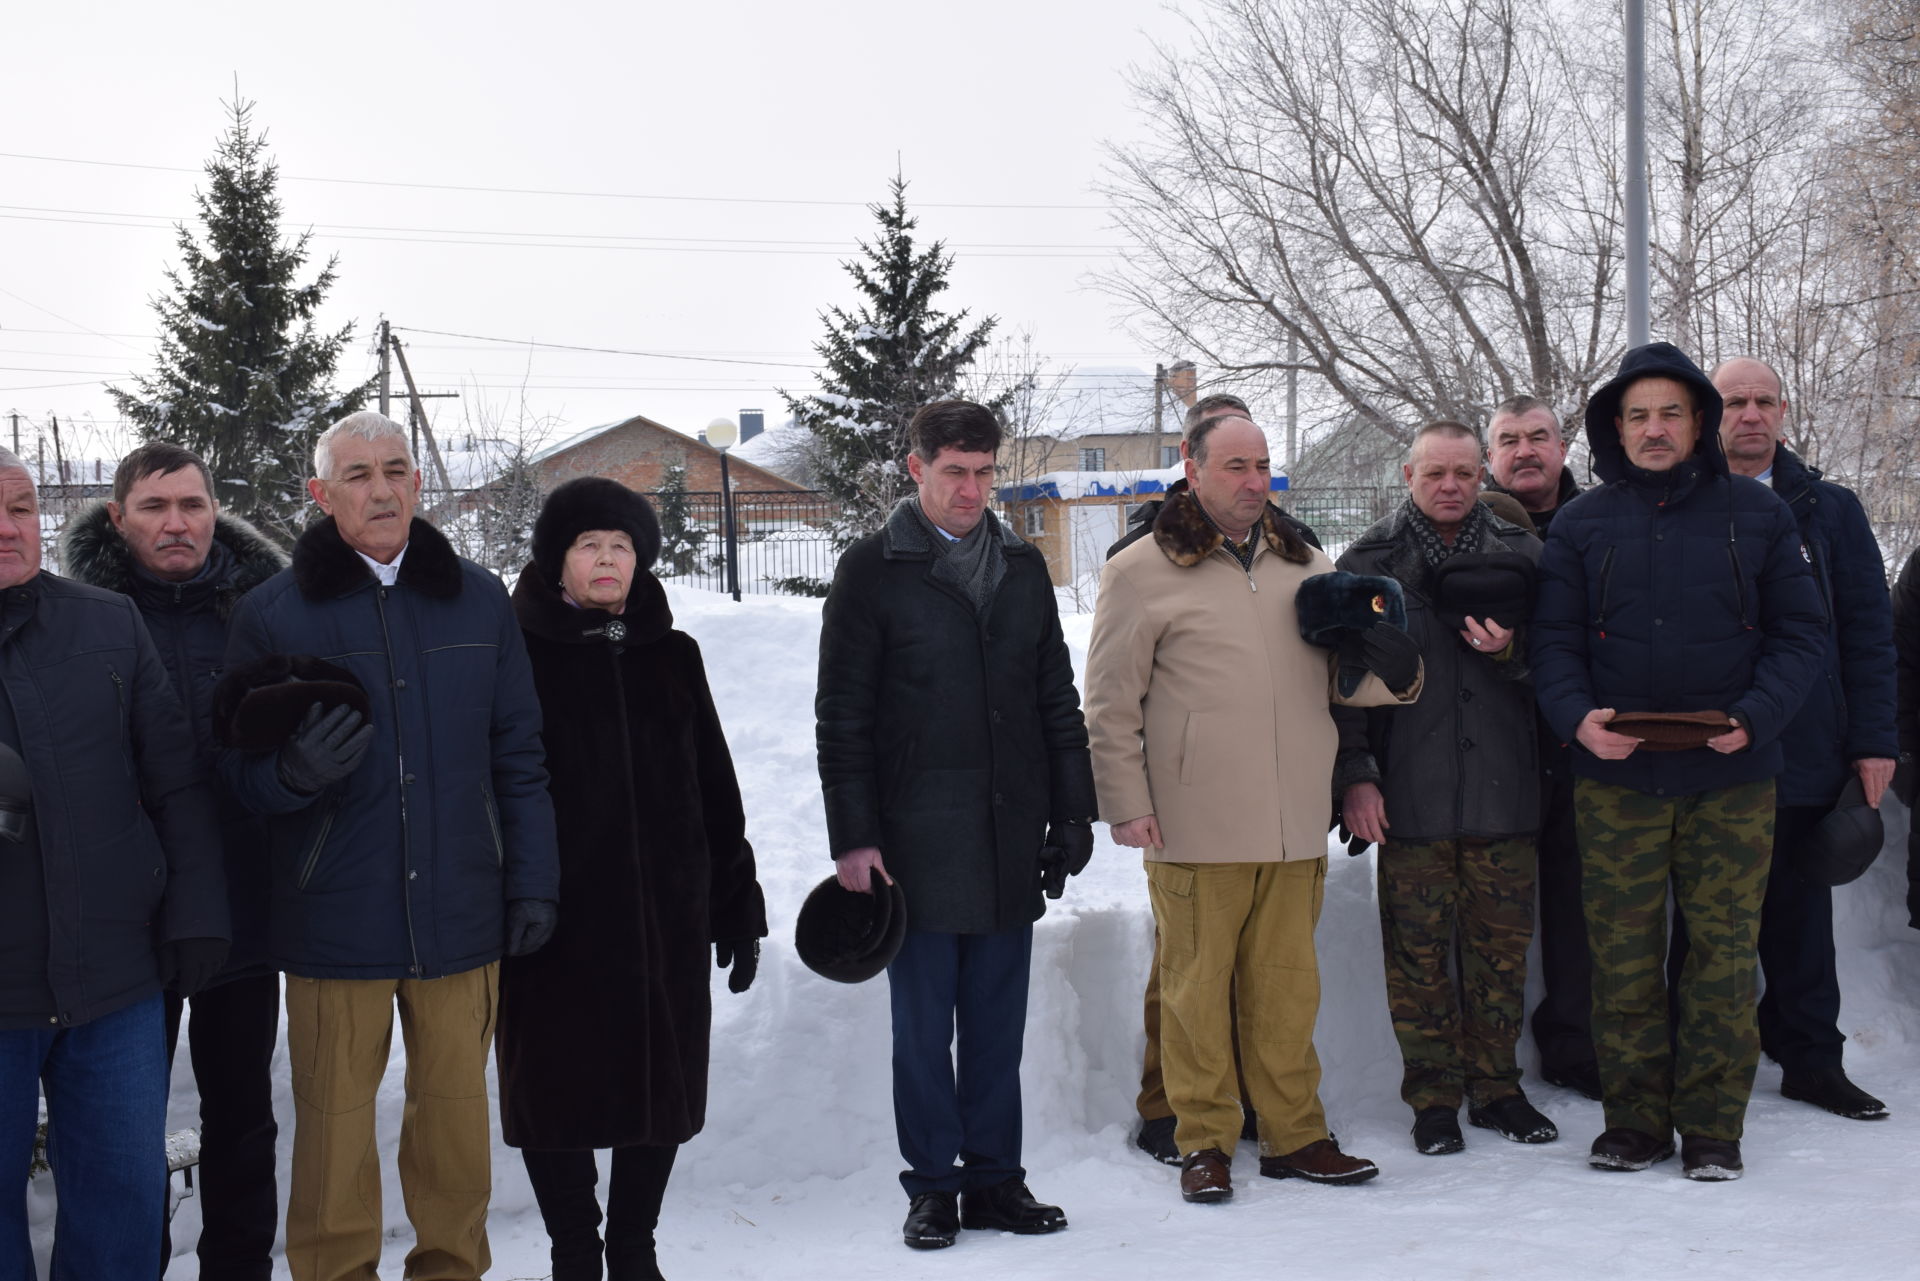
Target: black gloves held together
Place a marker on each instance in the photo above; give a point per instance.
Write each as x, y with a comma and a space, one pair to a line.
744, 956
530, 923
1386, 651
325, 749
187, 965
1069, 846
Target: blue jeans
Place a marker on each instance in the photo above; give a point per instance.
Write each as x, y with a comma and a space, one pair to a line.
106, 1084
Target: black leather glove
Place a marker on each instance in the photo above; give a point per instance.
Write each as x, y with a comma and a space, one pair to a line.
1069, 846
744, 956
530, 923
187, 965
1386, 651
325, 749
1906, 780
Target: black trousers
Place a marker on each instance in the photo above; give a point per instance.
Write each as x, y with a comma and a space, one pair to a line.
1800, 1005
1563, 1021
563, 1186
232, 1029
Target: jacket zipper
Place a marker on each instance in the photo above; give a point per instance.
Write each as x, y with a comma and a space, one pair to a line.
1606, 583
493, 825
400, 764
319, 843
126, 722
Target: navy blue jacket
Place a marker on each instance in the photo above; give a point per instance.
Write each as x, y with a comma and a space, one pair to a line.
1849, 714
188, 622
128, 848
404, 869
1678, 591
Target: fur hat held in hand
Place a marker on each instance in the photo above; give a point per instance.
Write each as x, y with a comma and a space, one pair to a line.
1483, 585
1332, 606
593, 502
849, 937
258, 706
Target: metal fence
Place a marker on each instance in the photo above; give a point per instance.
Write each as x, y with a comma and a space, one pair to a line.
1341, 513
784, 540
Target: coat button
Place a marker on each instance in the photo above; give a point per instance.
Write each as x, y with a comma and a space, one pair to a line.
401, 683
54, 1019
406, 778
1659, 622
998, 799
1466, 744
996, 716
413, 875
1466, 696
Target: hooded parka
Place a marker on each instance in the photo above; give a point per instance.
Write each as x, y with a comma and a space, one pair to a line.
1683, 590
948, 738
1463, 761
604, 1031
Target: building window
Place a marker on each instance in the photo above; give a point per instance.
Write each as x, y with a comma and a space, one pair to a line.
1169, 455
1036, 521
1093, 460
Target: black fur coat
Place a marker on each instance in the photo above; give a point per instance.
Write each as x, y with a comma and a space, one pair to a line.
603, 1032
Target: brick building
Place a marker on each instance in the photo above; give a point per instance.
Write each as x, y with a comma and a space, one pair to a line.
638, 451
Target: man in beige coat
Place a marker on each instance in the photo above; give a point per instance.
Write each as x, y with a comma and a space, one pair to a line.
1213, 751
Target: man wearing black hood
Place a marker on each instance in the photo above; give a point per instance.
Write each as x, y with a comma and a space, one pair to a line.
1673, 587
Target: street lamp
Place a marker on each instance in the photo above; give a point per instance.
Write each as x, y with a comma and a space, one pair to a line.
723, 434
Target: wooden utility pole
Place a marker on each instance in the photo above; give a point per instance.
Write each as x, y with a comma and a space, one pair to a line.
1159, 403
16, 434
426, 429
59, 458
386, 372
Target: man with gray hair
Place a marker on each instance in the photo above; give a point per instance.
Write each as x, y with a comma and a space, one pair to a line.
407, 852
111, 891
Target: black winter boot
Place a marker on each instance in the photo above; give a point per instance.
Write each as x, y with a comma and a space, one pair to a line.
563, 1185
636, 1188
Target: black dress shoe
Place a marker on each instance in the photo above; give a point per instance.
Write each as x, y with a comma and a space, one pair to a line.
1436, 1131
1710, 1160
1514, 1118
1622, 1148
1156, 1140
1009, 1207
1581, 1078
1829, 1088
933, 1221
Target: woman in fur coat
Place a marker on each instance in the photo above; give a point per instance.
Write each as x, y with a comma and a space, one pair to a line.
603, 1032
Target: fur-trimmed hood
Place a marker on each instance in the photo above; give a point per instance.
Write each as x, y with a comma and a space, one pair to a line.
93, 552
324, 567
1183, 532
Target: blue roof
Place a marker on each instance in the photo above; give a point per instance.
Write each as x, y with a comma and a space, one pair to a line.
1031, 491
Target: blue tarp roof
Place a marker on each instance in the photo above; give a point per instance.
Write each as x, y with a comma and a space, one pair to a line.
1031, 491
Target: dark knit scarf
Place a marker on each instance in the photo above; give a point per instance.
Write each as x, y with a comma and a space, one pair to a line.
973, 565
1433, 547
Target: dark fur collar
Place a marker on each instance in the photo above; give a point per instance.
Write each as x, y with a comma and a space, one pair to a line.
1187, 537
544, 612
904, 537
325, 567
93, 552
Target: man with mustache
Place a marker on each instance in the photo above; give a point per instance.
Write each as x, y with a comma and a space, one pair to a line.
163, 541
407, 854
1676, 587
1527, 454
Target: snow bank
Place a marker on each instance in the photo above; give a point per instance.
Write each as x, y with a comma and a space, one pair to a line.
794, 1176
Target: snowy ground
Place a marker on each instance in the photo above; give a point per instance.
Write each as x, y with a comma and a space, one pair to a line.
794, 1176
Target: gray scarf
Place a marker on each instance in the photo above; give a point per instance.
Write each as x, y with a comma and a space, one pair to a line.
1433, 548
974, 565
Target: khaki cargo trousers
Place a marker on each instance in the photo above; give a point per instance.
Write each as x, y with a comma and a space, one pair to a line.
339, 1032
1237, 939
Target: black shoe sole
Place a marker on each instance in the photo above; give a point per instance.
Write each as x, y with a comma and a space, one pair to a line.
1603, 1162
1331, 1180
1479, 1119
928, 1243
975, 1223
1211, 1196
1444, 1147
1852, 1114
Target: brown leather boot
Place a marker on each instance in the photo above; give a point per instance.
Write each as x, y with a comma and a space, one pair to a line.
1321, 1161
1206, 1176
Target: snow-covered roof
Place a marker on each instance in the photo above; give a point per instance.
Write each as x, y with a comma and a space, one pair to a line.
578, 438
1069, 485
1105, 401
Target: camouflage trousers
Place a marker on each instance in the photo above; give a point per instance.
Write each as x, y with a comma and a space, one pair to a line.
1694, 1074
1457, 1038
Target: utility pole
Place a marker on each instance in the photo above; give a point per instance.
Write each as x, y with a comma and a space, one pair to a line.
59, 458
419, 410
1159, 401
386, 370
16, 434
1639, 307
1293, 403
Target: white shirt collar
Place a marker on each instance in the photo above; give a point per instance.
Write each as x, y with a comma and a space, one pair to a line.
387, 574
1766, 477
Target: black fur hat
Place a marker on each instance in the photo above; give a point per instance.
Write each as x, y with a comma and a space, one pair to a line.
1845, 843
849, 937
1332, 605
593, 502
258, 706
1483, 585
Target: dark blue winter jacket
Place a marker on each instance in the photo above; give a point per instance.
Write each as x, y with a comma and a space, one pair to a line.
1849, 714
404, 869
1675, 591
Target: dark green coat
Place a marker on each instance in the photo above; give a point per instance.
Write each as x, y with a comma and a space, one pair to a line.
948, 739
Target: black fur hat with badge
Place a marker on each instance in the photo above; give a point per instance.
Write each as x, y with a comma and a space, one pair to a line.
1482, 586
1333, 606
258, 706
850, 937
593, 502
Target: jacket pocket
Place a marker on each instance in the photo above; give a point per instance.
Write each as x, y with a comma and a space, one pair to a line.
1176, 914
317, 844
493, 827
1189, 747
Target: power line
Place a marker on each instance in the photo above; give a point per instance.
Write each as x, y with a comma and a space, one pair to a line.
607, 351
539, 191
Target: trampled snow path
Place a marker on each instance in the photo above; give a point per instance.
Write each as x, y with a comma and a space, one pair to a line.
794, 1176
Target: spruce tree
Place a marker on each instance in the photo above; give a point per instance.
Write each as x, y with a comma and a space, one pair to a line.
892, 354
242, 377
682, 539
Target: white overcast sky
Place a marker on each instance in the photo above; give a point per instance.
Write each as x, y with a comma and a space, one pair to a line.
989, 103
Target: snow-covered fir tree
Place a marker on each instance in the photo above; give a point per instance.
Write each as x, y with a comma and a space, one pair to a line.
242, 377
892, 354
683, 540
